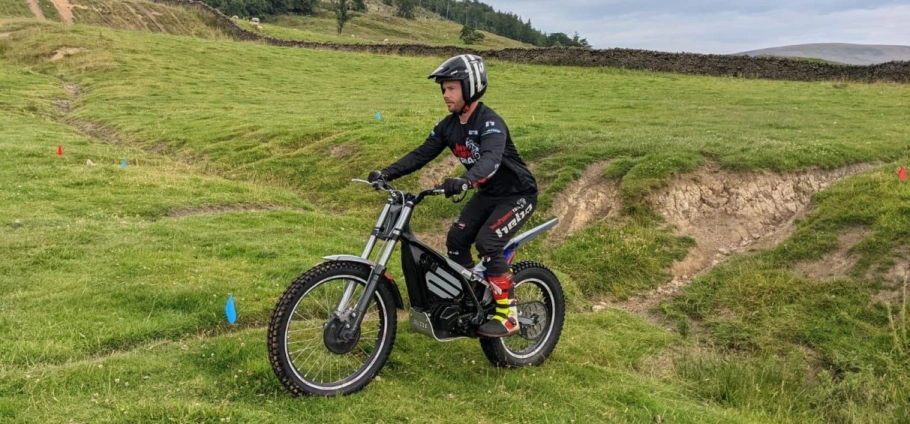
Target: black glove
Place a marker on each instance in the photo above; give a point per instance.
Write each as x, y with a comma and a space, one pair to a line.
453, 186
376, 176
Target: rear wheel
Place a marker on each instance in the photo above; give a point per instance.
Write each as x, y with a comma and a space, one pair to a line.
307, 349
541, 311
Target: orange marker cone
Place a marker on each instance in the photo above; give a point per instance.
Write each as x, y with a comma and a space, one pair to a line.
902, 174
59, 150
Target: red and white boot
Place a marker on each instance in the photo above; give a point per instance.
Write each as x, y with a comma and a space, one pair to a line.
505, 319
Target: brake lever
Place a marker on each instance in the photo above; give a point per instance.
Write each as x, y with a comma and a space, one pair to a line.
378, 184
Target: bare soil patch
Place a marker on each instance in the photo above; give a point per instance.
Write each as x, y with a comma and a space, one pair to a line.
437, 171
343, 150
73, 89
64, 52
727, 213
901, 270
589, 199
151, 15
65, 9
36, 10
837, 263
139, 17
897, 282
63, 106
4, 34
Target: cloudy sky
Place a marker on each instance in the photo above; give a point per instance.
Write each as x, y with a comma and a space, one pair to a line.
717, 26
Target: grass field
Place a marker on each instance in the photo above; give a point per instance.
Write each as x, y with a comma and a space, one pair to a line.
375, 28
114, 279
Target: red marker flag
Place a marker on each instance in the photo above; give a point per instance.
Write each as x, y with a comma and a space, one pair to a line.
902, 174
59, 150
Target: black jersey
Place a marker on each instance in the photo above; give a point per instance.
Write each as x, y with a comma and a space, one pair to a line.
483, 145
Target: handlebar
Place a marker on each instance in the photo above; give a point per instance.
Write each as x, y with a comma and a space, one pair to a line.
385, 186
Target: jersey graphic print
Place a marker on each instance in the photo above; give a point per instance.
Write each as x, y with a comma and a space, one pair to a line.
468, 153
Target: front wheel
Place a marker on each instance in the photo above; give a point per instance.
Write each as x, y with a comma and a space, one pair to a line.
306, 349
541, 311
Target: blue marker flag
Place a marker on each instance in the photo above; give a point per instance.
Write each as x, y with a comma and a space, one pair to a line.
378, 116
230, 311
123, 164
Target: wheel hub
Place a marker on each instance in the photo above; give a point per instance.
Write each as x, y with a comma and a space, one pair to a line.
537, 313
335, 339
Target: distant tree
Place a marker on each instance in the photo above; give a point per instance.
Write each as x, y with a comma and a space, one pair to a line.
405, 8
359, 6
303, 7
262, 8
484, 17
471, 35
342, 15
580, 42
258, 8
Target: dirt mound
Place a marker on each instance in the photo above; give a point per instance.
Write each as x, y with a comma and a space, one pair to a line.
837, 263
439, 170
587, 200
724, 212
727, 212
64, 52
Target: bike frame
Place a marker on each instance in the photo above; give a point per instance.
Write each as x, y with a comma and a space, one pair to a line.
393, 226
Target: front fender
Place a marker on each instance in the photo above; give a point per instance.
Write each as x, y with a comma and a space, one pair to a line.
396, 294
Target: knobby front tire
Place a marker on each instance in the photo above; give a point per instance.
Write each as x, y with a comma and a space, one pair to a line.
539, 297
296, 341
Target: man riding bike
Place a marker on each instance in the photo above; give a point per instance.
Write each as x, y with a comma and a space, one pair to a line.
506, 190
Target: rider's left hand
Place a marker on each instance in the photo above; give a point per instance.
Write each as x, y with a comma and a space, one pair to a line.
453, 186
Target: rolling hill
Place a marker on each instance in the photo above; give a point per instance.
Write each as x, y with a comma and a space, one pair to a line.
852, 54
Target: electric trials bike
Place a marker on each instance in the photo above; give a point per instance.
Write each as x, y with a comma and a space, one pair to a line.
333, 328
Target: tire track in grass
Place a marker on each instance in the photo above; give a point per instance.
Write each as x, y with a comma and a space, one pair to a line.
36, 10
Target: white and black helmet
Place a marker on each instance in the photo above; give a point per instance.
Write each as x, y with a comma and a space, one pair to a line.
468, 69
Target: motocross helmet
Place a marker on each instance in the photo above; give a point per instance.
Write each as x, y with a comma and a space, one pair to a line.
468, 69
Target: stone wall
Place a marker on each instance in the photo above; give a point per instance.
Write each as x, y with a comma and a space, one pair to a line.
683, 63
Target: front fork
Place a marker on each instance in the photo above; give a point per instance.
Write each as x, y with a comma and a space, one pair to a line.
353, 317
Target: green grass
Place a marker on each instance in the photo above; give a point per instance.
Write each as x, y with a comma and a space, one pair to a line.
19, 9
375, 28
101, 285
135, 15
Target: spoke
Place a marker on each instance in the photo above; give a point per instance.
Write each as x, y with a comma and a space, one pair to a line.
354, 364
309, 342
310, 328
371, 333
299, 352
322, 366
307, 360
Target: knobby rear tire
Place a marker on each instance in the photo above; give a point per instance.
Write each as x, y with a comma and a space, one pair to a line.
535, 284
297, 350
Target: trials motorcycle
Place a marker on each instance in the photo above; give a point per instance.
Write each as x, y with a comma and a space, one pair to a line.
332, 330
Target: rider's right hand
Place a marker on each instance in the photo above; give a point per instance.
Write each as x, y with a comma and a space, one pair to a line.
377, 176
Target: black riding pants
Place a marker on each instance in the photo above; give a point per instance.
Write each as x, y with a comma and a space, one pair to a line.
489, 222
